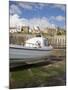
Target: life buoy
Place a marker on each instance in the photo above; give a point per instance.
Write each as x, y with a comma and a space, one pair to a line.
38, 43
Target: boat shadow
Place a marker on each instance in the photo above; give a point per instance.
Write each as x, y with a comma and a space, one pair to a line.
46, 61
27, 66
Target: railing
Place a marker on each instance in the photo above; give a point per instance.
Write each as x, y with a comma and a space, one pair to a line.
58, 42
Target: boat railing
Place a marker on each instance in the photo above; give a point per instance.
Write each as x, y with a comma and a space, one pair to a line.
34, 45
30, 43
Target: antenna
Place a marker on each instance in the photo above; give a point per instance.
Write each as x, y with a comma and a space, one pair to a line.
39, 34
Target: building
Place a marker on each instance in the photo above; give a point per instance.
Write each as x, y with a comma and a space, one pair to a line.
51, 31
25, 29
12, 29
36, 30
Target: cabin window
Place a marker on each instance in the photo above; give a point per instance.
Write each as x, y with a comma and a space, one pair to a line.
46, 42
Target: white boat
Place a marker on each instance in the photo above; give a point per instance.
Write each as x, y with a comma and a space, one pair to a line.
34, 48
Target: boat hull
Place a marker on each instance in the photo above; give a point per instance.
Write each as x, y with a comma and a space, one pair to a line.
20, 53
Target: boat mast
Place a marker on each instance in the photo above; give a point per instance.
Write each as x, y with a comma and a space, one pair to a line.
39, 33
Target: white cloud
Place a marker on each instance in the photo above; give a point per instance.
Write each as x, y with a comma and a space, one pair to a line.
25, 5
30, 5
57, 18
60, 18
52, 18
14, 9
39, 5
62, 7
15, 20
43, 22
43, 4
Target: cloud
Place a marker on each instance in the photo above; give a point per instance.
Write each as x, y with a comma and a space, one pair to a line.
15, 20
25, 5
62, 7
30, 5
57, 18
14, 9
39, 5
43, 22
42, 5
60, 18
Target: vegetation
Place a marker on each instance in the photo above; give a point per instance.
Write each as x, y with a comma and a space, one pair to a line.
51, 75
17, 39
60, 31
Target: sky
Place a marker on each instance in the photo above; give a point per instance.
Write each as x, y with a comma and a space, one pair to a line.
37, 14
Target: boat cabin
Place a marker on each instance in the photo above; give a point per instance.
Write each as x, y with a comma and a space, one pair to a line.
37, 42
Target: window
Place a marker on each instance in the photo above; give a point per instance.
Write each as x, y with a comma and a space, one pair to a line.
46, 42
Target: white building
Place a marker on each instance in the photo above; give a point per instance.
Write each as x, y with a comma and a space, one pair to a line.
12, 29
15, 29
